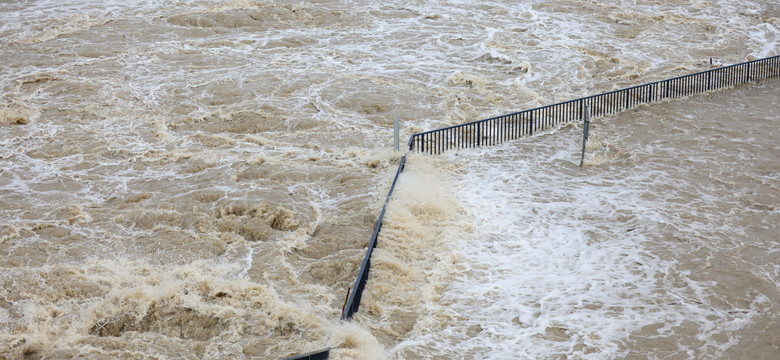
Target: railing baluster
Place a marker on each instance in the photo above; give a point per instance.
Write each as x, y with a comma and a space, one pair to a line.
474, 135
549, 117
730, 76
702, 83
493, 132
461, 145
726, 76
510, 127
667, 89
503, 128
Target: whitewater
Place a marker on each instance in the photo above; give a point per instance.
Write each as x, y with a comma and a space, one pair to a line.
199, 179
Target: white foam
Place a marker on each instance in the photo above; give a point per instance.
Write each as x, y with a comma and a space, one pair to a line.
566, 262
129, 76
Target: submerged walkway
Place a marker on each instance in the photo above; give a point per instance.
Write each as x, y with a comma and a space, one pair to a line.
499, 129
664, 243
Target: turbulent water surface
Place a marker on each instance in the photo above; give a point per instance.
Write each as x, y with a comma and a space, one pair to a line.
199, 179
642, 253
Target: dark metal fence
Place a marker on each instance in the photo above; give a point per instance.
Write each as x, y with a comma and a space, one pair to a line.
353, 302
498, 129
353, 299
512, 126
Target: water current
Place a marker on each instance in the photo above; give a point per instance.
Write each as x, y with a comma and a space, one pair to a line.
642, 253
199, 179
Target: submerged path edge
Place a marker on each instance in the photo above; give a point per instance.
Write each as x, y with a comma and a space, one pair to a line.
495, 130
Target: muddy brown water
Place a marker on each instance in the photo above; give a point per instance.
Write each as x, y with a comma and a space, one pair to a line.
199, 179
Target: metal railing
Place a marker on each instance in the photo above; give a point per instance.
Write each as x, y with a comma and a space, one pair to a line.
353, 301
354, 296
499, 129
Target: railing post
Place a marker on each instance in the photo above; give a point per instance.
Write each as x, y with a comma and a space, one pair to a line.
396, 130
655, 91
667, 89
626, 92
585, 131
479, 134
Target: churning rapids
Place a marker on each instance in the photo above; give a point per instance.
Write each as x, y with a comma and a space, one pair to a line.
199, 179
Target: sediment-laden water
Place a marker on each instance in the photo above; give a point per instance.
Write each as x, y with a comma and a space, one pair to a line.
199, 179
664, 245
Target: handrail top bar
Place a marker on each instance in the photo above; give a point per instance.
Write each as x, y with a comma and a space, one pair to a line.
372, 243
590, 97
346, 315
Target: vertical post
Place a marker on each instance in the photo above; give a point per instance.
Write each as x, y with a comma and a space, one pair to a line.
655, 91
626, 92
479, 134
585, 131
396, 130
667, 88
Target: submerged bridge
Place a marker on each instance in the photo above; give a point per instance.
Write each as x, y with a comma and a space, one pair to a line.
520, 124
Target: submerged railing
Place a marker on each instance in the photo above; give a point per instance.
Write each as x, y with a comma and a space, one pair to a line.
353, 300
498, 129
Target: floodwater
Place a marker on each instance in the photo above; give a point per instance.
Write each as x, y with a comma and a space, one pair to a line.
664, 245
199, 179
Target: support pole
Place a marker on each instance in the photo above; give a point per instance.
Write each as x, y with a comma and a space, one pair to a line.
396, 130
585, 131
